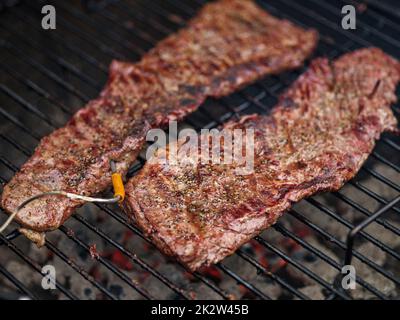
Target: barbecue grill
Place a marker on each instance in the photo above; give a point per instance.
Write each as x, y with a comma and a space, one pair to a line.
46, 75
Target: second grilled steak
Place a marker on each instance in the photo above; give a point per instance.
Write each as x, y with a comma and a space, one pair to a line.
228, 44
316, 139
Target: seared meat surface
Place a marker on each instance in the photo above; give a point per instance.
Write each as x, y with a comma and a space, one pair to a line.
227, 45
316, 138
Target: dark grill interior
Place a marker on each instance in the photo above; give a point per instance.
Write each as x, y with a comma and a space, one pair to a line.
48, 75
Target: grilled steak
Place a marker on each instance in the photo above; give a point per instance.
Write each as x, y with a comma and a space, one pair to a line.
315, 139
227, 45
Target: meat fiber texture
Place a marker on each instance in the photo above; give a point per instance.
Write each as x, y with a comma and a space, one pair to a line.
227, 45
316, 138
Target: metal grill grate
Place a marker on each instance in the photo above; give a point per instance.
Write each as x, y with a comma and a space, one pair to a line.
48, 75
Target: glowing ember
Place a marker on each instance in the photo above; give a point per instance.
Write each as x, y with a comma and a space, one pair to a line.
93, 251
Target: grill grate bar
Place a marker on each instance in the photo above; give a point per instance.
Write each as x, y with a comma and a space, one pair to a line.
142, 35
18, 123
330, 261
15, 144
23, 57
18, 284
378, 198
70, 46
142, 18
385, 161
329, 237
373, 12
36, 88
274, 277
33, 264
88, 58
124, 221
381, 178
369, 28
133, 257
113, 36
13, 234
300, 267
366, 212
95, 5
53, 248
356, 230
107, 264
26, 104
387, 9
184, 7
346, 223
324, 21
392, 144
137, 231
213, 286
57, 59
243, 282
82, 34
